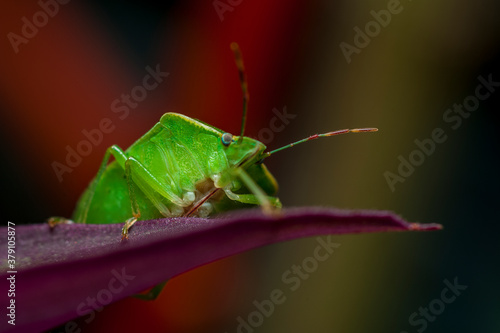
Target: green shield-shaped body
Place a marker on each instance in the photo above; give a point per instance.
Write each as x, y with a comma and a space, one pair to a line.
171, 169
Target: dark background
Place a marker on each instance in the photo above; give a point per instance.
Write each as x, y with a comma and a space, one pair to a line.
426, 59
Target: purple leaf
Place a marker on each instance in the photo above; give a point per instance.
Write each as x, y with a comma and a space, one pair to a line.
58, 270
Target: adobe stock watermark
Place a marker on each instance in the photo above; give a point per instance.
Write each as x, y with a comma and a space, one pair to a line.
103, 297
425, 315
362, 38
225, 6
120, 106
452, 116
276, 125
292, 278
30, 27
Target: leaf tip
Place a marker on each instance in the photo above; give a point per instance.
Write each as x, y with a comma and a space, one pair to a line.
425, 227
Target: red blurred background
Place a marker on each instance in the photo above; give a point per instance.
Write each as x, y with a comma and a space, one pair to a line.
64, 79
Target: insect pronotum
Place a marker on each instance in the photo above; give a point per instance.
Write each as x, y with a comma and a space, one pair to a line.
183, 167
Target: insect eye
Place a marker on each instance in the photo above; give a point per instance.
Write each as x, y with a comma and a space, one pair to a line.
226, 139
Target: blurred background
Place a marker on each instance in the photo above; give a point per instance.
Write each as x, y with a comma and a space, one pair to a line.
61, 76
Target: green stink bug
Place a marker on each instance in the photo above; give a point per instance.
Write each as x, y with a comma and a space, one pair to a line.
183, 167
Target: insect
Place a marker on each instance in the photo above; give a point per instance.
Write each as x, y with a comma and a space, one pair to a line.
183, 167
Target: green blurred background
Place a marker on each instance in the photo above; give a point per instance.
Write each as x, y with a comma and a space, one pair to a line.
428, 57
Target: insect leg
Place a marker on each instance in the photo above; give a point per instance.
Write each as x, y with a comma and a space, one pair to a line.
197, 205
136, 213
138, 176
53, 221
149, 184
81, 215
254, 200
258, 196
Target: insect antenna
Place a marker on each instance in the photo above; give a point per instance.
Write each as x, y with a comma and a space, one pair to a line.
317, 136
244, 85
